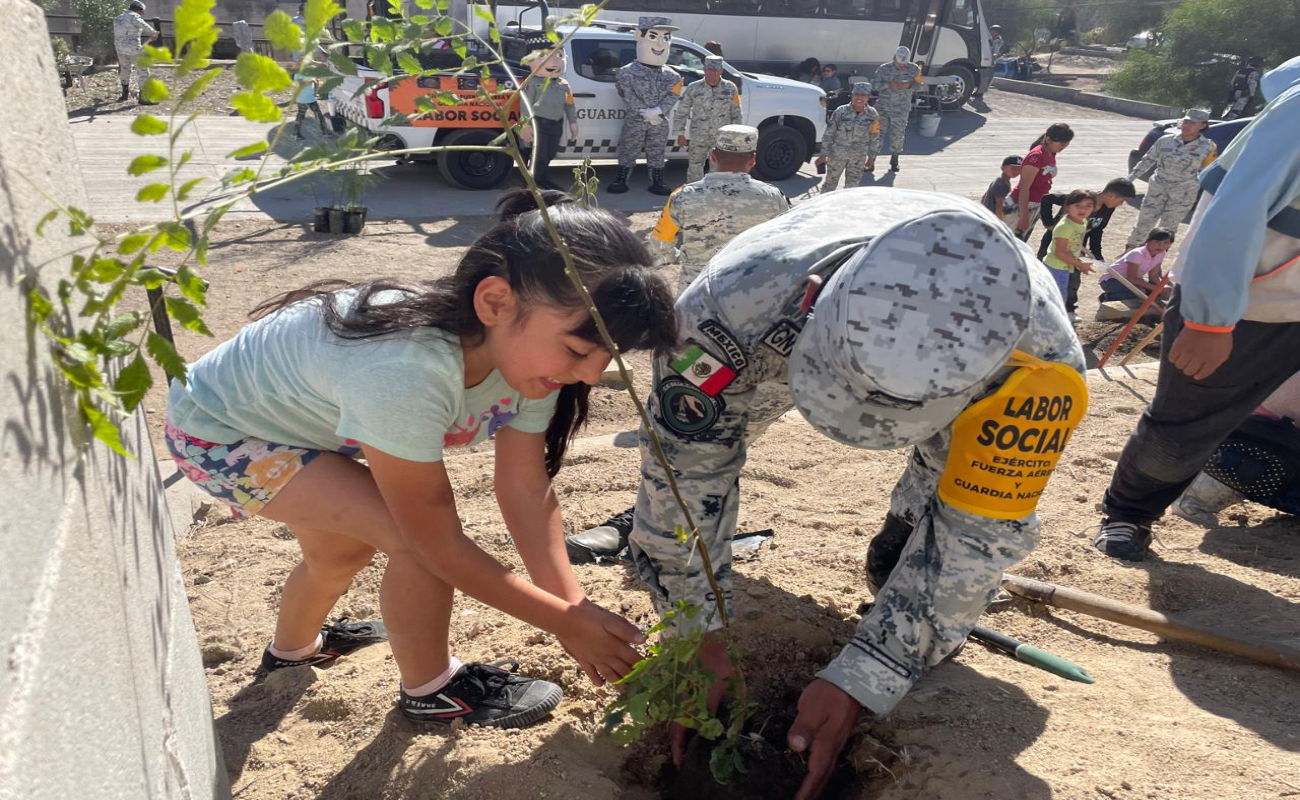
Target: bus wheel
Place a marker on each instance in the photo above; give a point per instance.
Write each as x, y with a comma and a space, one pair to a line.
781, 151
955, 95
469, 169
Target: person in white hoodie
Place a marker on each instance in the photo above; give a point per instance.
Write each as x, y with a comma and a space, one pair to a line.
1232, 330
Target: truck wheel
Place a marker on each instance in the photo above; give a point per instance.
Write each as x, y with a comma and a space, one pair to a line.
955, 96
781, 151
469, 169
338, 122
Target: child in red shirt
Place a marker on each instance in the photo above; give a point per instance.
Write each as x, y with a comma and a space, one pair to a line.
1036, 174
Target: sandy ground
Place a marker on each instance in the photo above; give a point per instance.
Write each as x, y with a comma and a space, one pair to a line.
1164, 720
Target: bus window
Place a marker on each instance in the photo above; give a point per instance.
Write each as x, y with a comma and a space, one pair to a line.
730, 6
599, 59
801, 8
962, 14
888, 10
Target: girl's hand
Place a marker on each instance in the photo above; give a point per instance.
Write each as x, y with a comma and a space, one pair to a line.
1086, 267
600, 641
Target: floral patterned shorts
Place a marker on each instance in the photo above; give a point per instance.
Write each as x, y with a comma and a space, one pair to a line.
245, 475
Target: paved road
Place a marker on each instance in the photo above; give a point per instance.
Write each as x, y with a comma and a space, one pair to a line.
962, 159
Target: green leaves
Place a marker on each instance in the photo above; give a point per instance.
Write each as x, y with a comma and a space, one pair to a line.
196, 32
409, 63
256, 107
342, 63
148, 163
282, 32
49, 217
148, 125
317, 15
132, 243
258, 73
101, 426
247, 150
184, 312
191, 285
154, 91
200, 84
165, 356
152, 193
133, 383
183, 193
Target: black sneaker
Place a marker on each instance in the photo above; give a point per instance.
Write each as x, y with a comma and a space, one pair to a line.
602, 542
1127, 541
485, 694
338, 639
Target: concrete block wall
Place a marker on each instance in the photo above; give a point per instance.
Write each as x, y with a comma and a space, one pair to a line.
102, 692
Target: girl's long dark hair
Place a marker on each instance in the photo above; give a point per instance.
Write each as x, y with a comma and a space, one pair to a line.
634, 301
1056, 132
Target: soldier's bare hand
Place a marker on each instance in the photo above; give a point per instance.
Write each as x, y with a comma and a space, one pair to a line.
1199, 354
682, 141
718, 661
821, 160
827, 715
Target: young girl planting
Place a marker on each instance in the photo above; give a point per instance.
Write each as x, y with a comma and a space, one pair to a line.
1066, 252
272, 423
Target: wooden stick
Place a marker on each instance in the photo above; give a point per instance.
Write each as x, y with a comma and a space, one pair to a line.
1271, 653
1142, 310
1142, 345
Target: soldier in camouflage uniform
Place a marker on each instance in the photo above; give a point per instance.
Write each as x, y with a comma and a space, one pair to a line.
929, 317
707, 105
701, 217
895, 82
129, 28
1172, 166
649, 90
852, 137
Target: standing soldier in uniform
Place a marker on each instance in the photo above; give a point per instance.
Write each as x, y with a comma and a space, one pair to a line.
890, 318
701, 217
1245, 83
649, 90
1173, 164
707, 105
894, 81
128, 29
852, 137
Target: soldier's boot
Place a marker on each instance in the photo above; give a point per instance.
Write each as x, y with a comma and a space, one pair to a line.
657, 185
882, 556
604, 542
893, 163
126, 93
620, 181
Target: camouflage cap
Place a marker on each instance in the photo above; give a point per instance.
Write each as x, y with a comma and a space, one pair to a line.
713, 62
737, 139
903, 53
861, 87
662, 23
1196, 115
911, 328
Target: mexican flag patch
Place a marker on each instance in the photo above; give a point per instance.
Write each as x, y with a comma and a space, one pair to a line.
707, 373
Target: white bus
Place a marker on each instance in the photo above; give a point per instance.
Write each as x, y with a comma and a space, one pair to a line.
950, 37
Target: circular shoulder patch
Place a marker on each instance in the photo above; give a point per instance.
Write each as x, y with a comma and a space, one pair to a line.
685, 409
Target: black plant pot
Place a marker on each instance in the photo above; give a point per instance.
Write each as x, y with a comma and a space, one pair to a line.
354, 220
321, 220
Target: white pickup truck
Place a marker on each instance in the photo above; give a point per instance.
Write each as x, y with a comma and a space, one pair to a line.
790, 116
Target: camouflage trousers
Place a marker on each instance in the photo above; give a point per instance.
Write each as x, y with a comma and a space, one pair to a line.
128, 62
1165, 206
640, 137
848, 163
893, 124
699, 157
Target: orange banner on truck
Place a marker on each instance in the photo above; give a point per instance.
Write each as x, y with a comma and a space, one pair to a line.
472, 110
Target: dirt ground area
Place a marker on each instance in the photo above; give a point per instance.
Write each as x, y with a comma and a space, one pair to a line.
104, 87
1164, 720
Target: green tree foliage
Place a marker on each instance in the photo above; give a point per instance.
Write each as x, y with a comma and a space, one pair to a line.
1202, 43
97, 22
1121, 21
1019, 18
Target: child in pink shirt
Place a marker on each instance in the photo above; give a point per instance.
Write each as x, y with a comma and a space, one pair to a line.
1140, 267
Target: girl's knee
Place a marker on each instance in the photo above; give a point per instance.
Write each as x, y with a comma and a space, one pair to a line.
338, 566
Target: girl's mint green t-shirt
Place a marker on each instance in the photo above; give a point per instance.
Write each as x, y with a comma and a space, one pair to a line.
1073, 232
287, 379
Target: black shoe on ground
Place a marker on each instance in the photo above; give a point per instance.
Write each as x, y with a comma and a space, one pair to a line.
485, 694
126, 93
884, 551
338, 639
657, 185
602, 542
893, 163
619, 186
1127, 541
